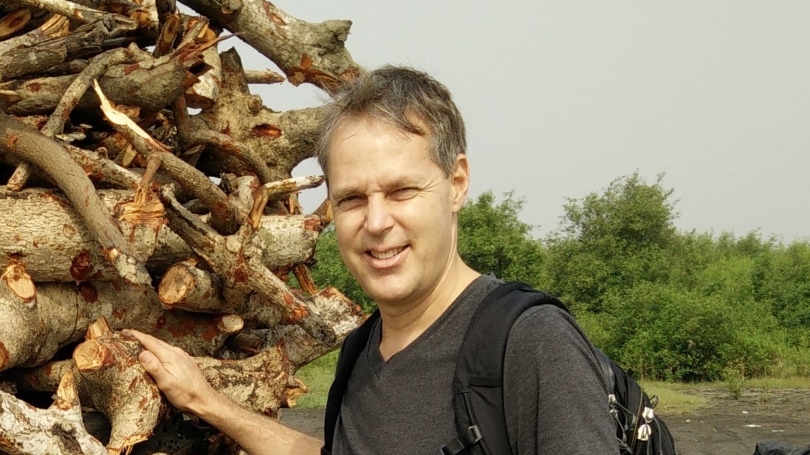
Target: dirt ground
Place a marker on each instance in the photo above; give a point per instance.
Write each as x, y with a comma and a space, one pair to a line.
727, 427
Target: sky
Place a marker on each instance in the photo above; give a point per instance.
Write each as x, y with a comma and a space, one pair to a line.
562, 97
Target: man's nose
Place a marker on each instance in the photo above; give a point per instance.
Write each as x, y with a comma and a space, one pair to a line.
378, 216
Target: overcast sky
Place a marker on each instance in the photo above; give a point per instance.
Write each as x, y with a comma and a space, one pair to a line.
562, 97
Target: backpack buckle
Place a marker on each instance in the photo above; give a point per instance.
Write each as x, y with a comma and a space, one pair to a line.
459, 444
476, 432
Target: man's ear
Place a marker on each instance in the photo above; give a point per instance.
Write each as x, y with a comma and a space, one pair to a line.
460, 179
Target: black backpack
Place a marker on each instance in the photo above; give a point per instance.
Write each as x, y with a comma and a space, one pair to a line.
478, 383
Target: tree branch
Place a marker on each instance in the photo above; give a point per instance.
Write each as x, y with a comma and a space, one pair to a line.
30, 145
70, 99
306, 52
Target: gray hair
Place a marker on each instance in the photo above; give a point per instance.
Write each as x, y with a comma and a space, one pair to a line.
407, 99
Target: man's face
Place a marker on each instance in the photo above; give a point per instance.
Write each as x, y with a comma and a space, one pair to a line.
395, 210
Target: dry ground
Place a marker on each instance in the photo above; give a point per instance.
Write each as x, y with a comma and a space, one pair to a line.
726, 427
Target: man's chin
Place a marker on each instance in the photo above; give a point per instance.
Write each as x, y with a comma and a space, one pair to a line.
390, 294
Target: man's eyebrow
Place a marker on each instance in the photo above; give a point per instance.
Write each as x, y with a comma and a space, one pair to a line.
341, 193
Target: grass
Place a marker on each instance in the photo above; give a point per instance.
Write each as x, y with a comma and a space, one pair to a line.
673, 397
318, 376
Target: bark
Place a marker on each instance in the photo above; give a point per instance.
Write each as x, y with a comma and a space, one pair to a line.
18, 140
305, 52
86, 41
263, 77
25, 430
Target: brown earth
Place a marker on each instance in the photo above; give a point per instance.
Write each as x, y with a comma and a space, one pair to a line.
726, 427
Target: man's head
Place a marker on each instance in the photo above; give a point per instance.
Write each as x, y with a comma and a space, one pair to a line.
406, 99
397, 176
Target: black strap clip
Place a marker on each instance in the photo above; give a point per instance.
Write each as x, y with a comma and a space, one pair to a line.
462, 442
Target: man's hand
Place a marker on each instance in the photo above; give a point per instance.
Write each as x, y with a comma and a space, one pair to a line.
179, 378
175, 372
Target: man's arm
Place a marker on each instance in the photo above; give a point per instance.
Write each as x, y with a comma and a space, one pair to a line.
180, 379
555, 396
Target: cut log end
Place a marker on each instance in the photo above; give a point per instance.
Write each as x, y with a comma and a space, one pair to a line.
20, 282
66, 395
97, 329
231, 323
90, 356
175, 285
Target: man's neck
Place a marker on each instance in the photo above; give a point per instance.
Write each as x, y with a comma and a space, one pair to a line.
403, 324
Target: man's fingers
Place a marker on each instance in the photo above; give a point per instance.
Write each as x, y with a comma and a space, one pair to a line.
162, 350
153, 366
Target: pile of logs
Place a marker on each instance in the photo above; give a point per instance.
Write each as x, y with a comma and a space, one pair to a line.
147, 188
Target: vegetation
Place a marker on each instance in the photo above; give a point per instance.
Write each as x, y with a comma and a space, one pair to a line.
666, 305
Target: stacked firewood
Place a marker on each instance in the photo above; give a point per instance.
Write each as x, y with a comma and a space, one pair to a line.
123, 209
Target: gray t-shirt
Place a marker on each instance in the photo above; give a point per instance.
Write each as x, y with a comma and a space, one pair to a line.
555, 395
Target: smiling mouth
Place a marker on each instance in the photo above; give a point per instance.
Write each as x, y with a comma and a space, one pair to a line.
387, 254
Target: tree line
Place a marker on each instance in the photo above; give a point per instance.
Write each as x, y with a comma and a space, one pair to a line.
665, 304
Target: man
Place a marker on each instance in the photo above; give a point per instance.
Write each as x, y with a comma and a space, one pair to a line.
393, 150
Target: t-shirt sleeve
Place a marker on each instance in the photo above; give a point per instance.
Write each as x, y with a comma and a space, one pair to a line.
555, 396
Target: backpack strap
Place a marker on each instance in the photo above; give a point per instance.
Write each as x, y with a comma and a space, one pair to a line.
353, 345
478, 382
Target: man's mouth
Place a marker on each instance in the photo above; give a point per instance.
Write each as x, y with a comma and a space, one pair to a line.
387, 254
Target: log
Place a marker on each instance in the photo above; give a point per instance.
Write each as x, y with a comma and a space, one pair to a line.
34, 330
300, 347
48, 237
117, 385
306, 52
150, 86
257, 382
55, 27
84, 42
14, 22
26, 430
27, 144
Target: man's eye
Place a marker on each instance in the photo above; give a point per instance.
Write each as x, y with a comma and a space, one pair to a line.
349, 202
405, 193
